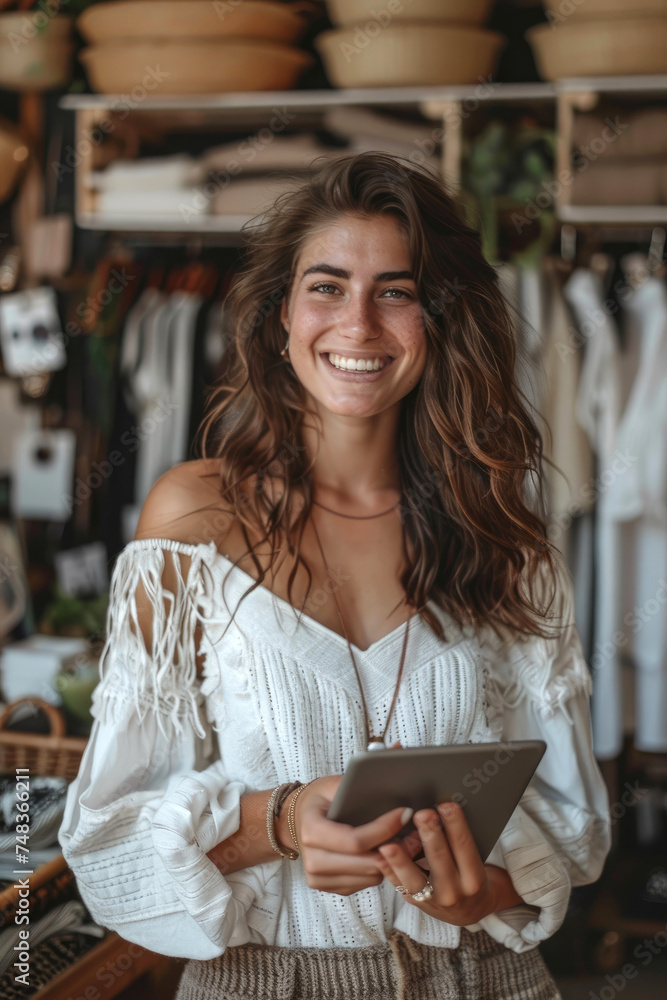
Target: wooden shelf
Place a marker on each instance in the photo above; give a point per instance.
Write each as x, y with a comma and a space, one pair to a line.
613, 214
448, 106
484, 90
163, 224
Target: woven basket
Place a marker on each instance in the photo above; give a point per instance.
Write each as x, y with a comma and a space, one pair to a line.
409, 54
347, 13
52, 753
604, 8
621, 46
137, 19
194, 66
35, 59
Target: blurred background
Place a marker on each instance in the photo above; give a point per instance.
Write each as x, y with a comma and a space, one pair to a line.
137, 138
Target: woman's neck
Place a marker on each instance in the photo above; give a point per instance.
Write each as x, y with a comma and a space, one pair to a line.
355, 459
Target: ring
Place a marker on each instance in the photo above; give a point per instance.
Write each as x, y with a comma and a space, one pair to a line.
419, 897
423, 894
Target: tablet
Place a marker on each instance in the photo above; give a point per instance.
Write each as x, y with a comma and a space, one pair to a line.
486, 779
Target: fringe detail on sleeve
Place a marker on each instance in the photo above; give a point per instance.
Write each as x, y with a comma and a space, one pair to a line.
546, 672
163, 680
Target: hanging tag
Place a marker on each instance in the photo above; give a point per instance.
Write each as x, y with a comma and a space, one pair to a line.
48, 246
83, 571
30, 332
15, 418
43, 474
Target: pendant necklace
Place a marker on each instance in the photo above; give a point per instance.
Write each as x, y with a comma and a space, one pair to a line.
372, 742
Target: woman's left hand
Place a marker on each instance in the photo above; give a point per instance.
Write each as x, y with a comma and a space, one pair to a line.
464, 888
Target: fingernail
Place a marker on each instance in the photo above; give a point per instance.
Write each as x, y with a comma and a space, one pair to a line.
406, 815
447, 809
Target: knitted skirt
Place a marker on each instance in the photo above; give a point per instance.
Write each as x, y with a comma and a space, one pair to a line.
401, 969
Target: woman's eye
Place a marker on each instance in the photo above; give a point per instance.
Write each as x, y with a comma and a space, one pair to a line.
327, 288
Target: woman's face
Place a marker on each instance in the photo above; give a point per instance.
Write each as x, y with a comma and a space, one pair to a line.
354, 301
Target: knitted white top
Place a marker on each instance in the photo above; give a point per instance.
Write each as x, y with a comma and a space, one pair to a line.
170, 755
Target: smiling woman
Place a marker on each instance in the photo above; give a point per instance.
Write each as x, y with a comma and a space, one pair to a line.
350, 562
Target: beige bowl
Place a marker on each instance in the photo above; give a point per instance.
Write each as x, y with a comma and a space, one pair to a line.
35, 50
346, 13
620, 47
408, 55
158, 67
586, 9
136, 19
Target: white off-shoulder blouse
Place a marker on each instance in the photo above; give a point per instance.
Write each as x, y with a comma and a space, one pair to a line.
170, 754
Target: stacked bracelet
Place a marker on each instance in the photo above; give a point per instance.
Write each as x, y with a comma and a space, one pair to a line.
290, 815
274, 805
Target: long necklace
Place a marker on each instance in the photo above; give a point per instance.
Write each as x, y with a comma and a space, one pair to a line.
372, 742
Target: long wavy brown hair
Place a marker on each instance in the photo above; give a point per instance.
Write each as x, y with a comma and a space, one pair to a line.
470, 453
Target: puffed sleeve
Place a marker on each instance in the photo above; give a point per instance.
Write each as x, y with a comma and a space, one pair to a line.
147, 803
560, 834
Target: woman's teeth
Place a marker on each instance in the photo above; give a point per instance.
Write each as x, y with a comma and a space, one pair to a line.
358, 364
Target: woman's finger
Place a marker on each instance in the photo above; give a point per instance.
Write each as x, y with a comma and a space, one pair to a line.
343, 884
442, 865
401, 869
333, 836
319, 862
462, 848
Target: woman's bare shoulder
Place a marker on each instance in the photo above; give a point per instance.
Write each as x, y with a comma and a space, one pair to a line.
184, 505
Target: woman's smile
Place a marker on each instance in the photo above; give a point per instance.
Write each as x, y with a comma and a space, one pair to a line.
350, 368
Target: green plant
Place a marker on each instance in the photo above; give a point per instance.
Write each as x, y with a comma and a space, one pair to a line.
68, 615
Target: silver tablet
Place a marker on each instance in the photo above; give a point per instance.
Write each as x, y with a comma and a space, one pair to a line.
486, 779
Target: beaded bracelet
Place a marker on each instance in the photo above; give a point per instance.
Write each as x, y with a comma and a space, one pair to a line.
290, 814
271, 819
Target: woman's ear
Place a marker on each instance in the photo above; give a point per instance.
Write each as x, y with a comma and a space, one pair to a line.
284, 311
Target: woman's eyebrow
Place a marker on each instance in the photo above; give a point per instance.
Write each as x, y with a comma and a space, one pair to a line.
339, 272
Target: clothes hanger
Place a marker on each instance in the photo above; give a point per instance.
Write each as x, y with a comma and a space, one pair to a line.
639, 267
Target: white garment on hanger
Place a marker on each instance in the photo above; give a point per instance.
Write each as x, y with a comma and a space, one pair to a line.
597, 409
151, 388
566, 444
638, 499
183, 326
631, 521
548, 369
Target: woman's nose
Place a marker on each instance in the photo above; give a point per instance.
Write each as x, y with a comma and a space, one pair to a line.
360, 320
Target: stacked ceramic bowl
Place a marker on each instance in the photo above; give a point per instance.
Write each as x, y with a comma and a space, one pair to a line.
36, 50
601, 38
193, 46
403, 43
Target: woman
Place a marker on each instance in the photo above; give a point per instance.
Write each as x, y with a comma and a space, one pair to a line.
365, 484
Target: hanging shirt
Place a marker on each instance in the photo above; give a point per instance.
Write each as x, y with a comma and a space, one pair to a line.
598, 407
637, 501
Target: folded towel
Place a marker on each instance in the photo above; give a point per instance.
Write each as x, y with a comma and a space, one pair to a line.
148, 174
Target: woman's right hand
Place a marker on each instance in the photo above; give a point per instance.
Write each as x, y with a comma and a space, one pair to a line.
337, 857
